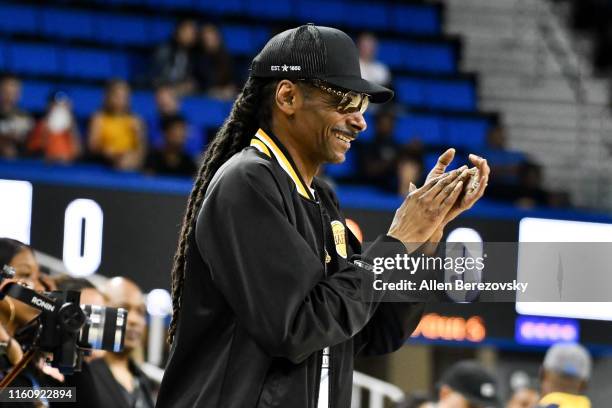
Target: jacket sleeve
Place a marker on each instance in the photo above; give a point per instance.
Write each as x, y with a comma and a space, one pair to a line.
270, 276
392, 323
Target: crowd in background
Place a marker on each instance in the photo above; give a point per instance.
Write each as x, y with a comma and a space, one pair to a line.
195, 60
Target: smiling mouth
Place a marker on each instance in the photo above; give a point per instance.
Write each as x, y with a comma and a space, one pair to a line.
343, 136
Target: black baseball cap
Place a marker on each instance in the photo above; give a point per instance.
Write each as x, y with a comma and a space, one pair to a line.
316, 52
474, 382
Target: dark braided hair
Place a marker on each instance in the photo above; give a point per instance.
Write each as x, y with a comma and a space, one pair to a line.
251, 110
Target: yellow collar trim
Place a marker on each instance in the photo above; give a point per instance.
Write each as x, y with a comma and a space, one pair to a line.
259, 145
265, 144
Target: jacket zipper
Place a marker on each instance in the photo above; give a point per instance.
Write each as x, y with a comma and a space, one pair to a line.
329, 356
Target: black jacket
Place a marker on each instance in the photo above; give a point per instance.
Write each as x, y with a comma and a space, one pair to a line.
270, 282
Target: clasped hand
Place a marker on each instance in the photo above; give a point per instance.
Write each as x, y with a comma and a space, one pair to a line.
427, 210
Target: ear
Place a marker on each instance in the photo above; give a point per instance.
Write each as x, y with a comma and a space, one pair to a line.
288, 97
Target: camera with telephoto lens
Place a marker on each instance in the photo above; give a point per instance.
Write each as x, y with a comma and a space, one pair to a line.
65, 328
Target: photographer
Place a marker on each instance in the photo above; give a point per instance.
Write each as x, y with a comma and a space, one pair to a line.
119, 380
14, 316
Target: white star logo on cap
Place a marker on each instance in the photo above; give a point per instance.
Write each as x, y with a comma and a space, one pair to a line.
285, 67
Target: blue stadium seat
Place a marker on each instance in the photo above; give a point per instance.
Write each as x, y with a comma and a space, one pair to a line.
390, 52
503, 157
415, 19
123, 2
18, 19
427, 129
85, 99
205, 112
121, 30
143, 103
469, 134
322, 12
451, 95
173, 4
122, 65
87, 63
24, 58
34, 95
160, 30
367, 15
67, 24
426, 57
430, 160
244, 40
345, 169
368, 135
429, 57
437, 94
269, 9
410, 91
3, 58
221, 7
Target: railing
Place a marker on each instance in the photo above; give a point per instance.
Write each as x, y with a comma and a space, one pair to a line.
590, 148
377, 390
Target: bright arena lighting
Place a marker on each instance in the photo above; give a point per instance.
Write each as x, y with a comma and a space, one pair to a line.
15, 209
159, 302
538, 264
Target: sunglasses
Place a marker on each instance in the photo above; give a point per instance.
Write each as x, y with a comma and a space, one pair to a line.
349, 101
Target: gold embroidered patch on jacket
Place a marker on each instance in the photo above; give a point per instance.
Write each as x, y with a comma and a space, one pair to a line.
339, 231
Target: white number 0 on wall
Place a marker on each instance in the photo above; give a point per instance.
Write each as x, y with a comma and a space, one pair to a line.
83, 222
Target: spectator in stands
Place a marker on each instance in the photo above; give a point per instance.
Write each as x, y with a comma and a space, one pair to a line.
173, 61
119, 380
116, 134
496, 142
371, 69
171, 159
468, 385
214, 67
168, 105
56, 135
378, 160
409, 168
564, 376
14, 123
530, 192
523, 397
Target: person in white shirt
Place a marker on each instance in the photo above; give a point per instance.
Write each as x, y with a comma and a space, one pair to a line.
371, 69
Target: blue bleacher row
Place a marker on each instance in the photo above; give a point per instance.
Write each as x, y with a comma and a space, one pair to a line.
120, 29
349, 168
403, 18
204, 112
88, 63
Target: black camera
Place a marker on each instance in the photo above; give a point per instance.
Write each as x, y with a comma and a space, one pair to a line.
64, 327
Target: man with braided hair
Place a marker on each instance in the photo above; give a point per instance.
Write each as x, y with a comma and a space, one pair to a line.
271, 292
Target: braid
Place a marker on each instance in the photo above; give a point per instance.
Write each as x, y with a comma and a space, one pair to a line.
251, 109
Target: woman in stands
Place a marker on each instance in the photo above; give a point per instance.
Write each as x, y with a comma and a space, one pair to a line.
116, 135
213, 65
56, 136
173, 61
